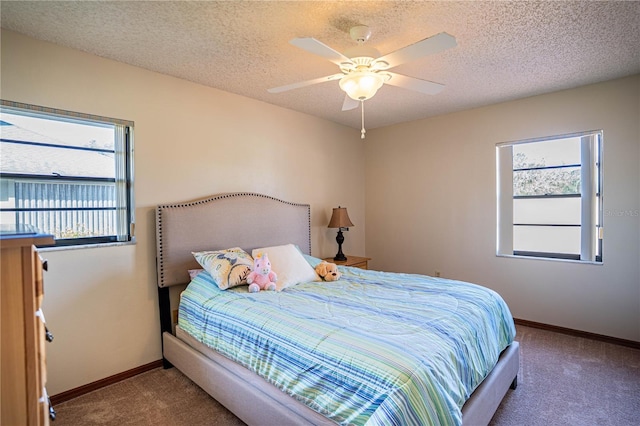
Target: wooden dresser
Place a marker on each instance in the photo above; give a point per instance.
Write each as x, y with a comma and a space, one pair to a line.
23, 399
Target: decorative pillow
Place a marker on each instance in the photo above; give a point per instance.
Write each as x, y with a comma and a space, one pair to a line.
289, 264
228, 268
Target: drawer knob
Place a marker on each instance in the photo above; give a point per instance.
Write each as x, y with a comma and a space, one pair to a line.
48, 334
52, 412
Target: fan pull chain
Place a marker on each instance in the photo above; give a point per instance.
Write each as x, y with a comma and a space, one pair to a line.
363, 131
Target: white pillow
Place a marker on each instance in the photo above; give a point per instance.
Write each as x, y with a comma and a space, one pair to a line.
288, 264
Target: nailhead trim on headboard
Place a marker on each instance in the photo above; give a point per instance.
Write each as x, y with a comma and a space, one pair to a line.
160, 255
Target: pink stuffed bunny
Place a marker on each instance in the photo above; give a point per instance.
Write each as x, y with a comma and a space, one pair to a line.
262, 277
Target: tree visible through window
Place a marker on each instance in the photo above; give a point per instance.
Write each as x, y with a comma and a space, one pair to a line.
549, 197
66, 174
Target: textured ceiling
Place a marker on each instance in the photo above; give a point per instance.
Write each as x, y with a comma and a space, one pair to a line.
506, 50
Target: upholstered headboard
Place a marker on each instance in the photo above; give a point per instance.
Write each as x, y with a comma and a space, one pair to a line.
223, 221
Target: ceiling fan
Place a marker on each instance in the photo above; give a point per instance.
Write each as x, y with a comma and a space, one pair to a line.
363, 71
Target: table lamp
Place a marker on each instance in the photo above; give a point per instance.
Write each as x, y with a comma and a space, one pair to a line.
340, 219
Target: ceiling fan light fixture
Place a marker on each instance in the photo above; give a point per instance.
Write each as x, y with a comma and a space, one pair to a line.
361, 85
363, 71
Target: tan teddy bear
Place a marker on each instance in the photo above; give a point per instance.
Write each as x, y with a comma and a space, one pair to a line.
328, 271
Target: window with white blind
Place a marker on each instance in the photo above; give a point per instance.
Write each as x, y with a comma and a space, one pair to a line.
549, 194
67, 174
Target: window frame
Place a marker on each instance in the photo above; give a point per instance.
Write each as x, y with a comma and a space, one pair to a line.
591, 209
123, 179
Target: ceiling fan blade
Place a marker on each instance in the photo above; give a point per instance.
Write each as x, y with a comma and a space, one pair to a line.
349, 103
420, 49
411, 83
316, 47
305, 83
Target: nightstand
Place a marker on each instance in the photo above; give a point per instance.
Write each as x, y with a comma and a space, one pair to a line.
358, 262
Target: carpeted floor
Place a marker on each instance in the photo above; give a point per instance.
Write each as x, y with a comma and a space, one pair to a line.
563, 380
567, 380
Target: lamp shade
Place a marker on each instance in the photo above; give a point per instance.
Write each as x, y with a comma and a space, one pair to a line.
340, 218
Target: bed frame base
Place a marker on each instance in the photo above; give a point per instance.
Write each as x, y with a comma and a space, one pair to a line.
485, 400
256, 402
249, 397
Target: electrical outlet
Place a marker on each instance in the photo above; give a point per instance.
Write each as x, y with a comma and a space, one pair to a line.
174, 316
437, 274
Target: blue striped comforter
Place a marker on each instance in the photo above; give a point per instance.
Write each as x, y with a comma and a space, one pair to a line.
373, 348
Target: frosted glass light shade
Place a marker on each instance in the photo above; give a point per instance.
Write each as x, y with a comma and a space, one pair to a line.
361, 85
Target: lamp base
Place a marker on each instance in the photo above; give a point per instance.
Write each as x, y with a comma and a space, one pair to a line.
340, 256
340, 240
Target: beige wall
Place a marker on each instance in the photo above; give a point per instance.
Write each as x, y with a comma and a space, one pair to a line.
190, 141
431, 205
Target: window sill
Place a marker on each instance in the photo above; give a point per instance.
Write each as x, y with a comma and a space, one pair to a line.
587, 262
86, 246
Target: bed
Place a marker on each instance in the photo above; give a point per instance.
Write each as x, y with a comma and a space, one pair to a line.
337, 324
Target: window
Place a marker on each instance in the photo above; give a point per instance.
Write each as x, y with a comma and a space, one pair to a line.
66, 174
550, 197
